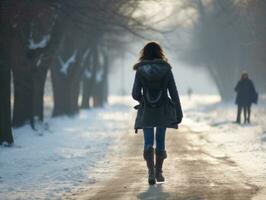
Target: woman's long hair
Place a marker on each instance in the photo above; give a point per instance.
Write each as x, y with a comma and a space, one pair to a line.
151, 51
244, 75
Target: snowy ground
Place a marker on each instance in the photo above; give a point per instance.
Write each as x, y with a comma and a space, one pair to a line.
245, 144
62, 155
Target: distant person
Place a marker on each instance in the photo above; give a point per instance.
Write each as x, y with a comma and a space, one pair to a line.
246, 95
156, 110
189, 92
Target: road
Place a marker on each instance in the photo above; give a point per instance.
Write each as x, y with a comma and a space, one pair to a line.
194, 170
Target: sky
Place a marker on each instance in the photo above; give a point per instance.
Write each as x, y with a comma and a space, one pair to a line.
122, 75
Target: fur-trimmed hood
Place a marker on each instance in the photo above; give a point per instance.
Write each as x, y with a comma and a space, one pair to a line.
153, 70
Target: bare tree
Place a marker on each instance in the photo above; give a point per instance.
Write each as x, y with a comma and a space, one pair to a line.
72, 40
223, 42
5, 112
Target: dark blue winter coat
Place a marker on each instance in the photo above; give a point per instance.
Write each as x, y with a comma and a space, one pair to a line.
152, 72
246, 93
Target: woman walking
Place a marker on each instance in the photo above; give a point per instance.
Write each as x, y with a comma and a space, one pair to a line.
153, 80
246, 95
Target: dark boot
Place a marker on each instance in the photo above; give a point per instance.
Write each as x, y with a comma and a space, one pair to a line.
149, 157
160, 156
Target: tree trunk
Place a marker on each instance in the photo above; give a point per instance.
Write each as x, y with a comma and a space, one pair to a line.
66, 85
60, 93
102, 86
90, 88
66, 93
23, 97
39, 83
23, 81
225, 83
87, 83
28, 78
5, 112
105, 78
86, 93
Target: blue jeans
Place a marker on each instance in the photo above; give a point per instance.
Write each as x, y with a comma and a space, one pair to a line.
149, 138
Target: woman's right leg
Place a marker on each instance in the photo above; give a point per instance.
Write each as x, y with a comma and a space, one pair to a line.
148, 137
239, 109
148, 153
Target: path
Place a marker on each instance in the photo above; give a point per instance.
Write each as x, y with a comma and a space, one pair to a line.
193, 170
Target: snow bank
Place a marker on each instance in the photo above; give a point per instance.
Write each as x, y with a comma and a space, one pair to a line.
61, 154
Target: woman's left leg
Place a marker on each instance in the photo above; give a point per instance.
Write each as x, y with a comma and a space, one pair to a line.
245, 114
148, 153
160, 138
160, 153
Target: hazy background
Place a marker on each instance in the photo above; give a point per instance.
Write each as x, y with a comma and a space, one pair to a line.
121, 77
199, 80
72, 55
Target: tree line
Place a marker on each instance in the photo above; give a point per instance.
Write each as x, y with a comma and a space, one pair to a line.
228, 37
74, 40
